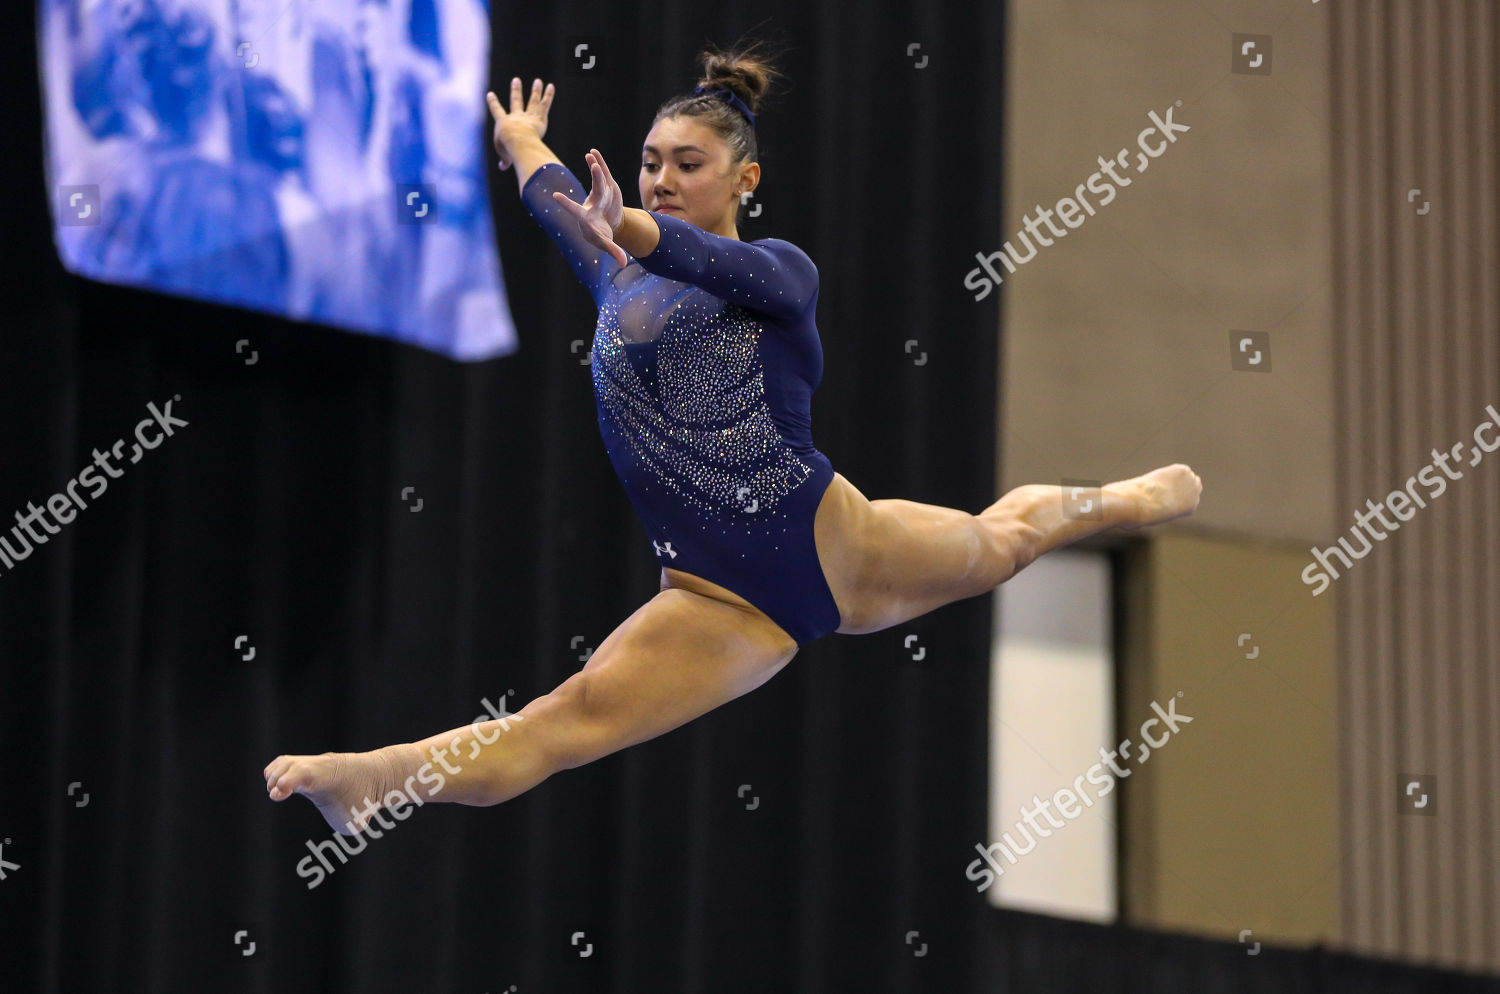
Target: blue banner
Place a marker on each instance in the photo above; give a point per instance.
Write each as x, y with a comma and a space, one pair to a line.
322, 160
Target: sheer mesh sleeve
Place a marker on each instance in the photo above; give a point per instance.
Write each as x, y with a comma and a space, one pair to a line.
771, 275
594, 267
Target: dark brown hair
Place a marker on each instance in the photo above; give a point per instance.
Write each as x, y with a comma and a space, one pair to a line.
746, 74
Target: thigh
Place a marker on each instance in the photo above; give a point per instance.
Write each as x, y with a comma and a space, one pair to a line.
921, 557
680, 655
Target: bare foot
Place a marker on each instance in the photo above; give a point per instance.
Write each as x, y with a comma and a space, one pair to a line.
1160, 495
347, 787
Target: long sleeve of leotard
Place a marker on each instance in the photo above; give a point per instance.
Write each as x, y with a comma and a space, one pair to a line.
594, 267
771, 275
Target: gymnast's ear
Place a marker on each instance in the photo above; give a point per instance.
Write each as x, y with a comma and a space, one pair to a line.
748, 179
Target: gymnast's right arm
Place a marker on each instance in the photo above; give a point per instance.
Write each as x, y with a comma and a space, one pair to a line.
540, 173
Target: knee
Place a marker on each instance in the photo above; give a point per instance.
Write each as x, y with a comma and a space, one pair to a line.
573, 723
1012, 545
1025, 545
1026, 501
1019, 510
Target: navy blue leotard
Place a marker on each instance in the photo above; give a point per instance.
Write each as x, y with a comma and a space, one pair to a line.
705, 357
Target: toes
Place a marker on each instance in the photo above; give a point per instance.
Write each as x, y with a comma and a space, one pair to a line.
287, 776
281, 787
274, 770
287, 786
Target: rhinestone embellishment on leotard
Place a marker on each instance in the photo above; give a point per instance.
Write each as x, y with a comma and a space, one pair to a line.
707, 433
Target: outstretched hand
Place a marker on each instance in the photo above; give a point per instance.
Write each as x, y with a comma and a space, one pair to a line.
524, 117
599, 216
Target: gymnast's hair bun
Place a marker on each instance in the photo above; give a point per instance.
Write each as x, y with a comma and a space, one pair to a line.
745, 72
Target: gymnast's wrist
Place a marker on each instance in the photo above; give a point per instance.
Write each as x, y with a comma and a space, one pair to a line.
637, 232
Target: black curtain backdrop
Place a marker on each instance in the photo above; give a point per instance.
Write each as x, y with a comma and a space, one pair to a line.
140, 841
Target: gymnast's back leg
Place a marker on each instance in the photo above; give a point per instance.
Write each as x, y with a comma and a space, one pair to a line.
678, 656
922, 556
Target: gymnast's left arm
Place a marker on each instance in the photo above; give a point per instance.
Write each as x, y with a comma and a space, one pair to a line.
775, 277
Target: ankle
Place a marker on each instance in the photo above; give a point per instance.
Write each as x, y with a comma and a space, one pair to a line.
1123, 504
396, 764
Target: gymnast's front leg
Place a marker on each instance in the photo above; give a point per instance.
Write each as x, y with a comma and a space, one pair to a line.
923, 556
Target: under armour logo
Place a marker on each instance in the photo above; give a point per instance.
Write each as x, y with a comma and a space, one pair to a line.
667, 548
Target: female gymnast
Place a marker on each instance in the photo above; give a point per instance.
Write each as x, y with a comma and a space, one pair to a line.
704, 361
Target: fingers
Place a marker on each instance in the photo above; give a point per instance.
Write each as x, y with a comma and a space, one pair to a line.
602, 165
575, 209
537, 107
541, 99
597, 188
602, 239
600, 173
592, 232
538, 103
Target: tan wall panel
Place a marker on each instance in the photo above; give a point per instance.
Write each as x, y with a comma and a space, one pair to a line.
1232, 825
1116, 348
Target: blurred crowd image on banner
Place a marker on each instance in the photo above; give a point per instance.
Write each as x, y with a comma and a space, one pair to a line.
323, 161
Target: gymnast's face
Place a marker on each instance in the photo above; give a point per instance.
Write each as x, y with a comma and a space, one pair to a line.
686, 172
